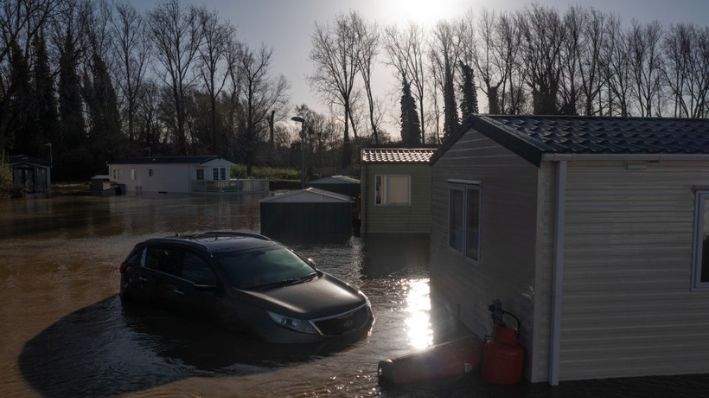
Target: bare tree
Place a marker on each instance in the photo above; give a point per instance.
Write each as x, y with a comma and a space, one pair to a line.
686, 69
336, 54
616, 69
406, 51
445, 53
569, 84
261, 95
368, 38
543, 34
212, 66
646, 64
131, 51
177, 36
593, 36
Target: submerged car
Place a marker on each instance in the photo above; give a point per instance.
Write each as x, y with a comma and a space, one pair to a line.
246, 282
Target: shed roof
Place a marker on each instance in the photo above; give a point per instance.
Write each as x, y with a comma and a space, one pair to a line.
167, 160
308, 195
397, 155
533, 136
20, 159
338, 179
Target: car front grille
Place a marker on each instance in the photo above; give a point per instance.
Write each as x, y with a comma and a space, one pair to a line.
344, 323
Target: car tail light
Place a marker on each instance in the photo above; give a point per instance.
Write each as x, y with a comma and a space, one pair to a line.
123, 267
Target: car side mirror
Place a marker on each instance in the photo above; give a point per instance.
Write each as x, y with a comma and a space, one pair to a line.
312, 262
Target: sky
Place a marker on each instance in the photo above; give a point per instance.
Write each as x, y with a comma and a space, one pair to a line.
286, 27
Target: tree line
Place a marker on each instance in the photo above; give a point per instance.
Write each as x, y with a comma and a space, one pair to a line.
537, 60
100, 81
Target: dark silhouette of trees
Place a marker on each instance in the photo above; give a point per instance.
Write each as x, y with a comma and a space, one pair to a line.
410, 125
469, 104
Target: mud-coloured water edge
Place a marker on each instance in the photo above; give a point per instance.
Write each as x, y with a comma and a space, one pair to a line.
64, 332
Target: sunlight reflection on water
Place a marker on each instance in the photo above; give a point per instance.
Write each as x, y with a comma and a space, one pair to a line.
418, 306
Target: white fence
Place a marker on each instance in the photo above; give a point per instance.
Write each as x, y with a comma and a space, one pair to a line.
231, 186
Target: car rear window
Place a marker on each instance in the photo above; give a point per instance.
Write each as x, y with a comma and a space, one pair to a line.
263, 267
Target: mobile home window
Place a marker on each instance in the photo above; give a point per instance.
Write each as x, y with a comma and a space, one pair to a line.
150, 172
200, 175
215, 174
222, 173
701, 240
132, 174
392, 190
464, 219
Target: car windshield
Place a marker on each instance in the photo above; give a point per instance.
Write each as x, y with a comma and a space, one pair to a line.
264, 268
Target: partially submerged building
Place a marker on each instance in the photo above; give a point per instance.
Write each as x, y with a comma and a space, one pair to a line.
30, 175
396, 190
592, 230
344, 185
180, 174
308, 214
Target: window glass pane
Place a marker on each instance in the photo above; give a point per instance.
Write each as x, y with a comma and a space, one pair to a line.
472, 223
378, 190
200, 175
215, 174
195, 270
455, 226
165, 260
256, 268
223, 173
704, 255
397, 190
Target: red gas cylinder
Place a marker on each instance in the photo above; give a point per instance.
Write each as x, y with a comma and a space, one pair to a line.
450, 359
503, 357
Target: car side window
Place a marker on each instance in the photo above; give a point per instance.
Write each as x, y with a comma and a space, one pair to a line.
164, 259
197, 271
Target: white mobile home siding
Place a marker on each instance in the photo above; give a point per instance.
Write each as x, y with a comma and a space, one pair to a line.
628, 307
414, 218
508, 227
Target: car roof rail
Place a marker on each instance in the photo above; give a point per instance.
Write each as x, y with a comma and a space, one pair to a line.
217, 234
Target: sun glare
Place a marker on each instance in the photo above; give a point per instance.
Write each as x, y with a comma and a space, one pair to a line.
425, 12
418, 321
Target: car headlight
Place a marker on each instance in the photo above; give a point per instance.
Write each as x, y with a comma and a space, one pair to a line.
298, 325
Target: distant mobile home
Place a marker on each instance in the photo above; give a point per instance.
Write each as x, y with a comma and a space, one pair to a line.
174, 174
396, 190
592, 230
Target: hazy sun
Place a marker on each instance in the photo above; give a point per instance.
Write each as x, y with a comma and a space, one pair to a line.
426, 12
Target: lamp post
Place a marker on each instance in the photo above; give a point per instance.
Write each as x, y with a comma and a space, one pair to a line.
302, 149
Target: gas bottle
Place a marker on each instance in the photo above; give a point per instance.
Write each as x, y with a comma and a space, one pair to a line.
503, 355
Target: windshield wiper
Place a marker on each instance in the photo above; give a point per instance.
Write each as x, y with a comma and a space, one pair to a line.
286, 282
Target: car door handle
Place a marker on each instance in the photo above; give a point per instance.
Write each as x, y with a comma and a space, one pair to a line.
179, 292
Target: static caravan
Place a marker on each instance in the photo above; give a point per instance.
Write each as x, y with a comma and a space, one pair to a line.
592, 230
396, 186
173, 174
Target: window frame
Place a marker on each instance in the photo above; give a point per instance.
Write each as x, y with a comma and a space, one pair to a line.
385, 188
150, 172
701, 196
199, 175
182, 253
222, 173
465, 186
215, 173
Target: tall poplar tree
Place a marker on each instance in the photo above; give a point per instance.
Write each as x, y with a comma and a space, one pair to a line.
410, 125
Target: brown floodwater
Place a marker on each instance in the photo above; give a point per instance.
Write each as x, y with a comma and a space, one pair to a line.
63, 331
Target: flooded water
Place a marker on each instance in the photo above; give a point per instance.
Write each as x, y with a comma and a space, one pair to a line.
64, 332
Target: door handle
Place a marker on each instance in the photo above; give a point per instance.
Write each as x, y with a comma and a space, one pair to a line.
142, 279
179, 291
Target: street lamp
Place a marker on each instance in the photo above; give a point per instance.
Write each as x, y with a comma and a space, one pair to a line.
302, 149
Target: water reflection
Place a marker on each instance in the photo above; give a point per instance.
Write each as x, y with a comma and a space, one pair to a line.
418, 308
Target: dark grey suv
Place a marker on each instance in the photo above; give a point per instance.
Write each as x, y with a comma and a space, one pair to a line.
246, 282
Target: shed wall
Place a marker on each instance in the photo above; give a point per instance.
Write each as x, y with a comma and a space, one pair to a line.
508, 219
628, 307
415, 218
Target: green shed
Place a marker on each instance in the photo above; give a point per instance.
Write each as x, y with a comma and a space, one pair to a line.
309, 213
